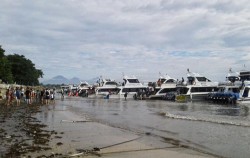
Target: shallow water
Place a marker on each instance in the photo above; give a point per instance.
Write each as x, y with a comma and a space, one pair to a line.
218, 129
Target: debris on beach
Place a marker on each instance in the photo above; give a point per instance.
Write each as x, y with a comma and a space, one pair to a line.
22, 134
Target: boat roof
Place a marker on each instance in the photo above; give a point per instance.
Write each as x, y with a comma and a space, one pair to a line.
129, 77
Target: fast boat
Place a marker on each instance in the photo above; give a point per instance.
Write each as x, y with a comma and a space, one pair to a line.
106, 87
244, 84
83, 88
235, 90
131, 87
197, 87
165, 85
228, 91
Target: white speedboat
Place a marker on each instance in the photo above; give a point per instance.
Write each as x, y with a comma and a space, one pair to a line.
83, 88
235, 90
106, 87
196, 87
165, 84
228, 91
131, 86
244, 84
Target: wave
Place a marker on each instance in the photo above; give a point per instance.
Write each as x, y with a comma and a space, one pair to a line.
191, 118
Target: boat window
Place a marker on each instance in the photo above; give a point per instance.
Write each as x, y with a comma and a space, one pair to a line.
246, 92
190, 80
107, 90
166, 90
221, 89
162, 80
170, 81
203, 89
243, 78
182, 90
133, 81
111, 83
203, 79
133, 89
235, 90
245, 75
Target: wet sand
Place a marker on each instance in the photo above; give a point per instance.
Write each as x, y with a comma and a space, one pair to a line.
55, 131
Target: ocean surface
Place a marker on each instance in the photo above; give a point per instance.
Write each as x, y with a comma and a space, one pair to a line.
218, 129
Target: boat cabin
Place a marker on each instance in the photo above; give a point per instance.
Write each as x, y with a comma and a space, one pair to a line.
132, 85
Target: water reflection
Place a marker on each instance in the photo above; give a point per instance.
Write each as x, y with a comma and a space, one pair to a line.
229, 112
183, 107
232, 111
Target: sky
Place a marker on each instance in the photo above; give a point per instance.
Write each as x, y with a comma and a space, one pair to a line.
109, 38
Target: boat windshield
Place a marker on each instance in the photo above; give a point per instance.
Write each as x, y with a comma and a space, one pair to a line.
83, 85
111, 83
162, 80
203, 79
133, 81
244, 76
233, 79
170, 81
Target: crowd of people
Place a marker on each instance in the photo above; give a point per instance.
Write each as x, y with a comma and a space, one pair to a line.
29, 96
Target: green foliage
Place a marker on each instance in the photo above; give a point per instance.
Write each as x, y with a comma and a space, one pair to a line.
1, 52
16, 68
5, 68
5, 71
23, 70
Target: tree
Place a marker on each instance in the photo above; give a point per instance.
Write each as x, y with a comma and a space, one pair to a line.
1, 52
23, 70
5, 68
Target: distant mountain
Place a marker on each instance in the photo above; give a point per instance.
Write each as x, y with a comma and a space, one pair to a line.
57, 80
62, 80
75, 80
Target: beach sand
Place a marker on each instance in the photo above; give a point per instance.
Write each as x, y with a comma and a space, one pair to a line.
55, 131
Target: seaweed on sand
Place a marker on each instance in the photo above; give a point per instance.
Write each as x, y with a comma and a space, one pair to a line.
22, 133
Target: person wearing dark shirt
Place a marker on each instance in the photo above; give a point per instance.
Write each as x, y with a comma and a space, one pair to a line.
28, 95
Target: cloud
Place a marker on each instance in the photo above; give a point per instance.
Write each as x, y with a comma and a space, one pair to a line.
91, 38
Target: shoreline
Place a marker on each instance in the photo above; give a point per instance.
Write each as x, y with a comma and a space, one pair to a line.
56, 131
21, 132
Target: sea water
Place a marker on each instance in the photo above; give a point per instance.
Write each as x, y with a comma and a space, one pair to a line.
218, 129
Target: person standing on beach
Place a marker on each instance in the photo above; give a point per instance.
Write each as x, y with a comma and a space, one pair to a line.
7, 97
125, 95
27, 95
62, 94
47, 96
18, 96
22, 92
12, 95
42, 93
1, 97
32, 95
52, 96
